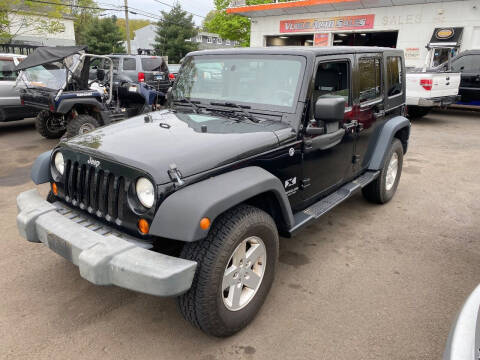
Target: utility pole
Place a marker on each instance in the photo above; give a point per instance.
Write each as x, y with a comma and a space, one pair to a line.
127, 28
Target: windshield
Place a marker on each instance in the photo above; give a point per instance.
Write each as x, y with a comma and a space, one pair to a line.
258, 81
52, 75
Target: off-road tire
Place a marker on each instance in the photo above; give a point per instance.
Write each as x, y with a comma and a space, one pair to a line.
376, 191
416, 112
42, 128
74, 125
203, 304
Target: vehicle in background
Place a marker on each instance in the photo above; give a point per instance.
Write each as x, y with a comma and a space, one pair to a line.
190, 201
148, 69
467, 63
11, 107
429, 89
173, 71
464, 339
55, 80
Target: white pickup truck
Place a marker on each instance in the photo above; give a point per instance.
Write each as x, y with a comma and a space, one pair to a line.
428, 89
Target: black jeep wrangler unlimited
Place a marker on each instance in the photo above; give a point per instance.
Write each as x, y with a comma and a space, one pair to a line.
256, 143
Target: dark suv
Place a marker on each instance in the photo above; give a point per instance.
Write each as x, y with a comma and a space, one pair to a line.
152, 70
190, 201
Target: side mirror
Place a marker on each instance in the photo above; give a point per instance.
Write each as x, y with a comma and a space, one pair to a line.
330, 109
100, 74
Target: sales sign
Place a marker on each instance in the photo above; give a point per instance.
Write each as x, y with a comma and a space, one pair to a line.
333, 23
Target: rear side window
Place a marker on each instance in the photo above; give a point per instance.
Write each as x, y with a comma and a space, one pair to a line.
152, 64
369, 79
106, 64
7, 70
129, 64
394, 75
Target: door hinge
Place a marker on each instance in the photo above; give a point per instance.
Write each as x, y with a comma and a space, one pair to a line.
355, 158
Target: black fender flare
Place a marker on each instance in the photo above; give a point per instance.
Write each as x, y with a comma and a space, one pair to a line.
40, 172
179, 215
385, 137
67, 104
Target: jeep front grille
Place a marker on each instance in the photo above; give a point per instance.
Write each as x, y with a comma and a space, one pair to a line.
100, 192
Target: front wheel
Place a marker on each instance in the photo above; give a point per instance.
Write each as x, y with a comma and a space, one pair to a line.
82, 124
236, 268
48, 126
382, 189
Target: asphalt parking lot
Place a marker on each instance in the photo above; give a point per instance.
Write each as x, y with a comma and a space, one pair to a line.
364, 282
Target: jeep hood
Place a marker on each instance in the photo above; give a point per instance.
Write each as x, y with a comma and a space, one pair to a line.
194, 143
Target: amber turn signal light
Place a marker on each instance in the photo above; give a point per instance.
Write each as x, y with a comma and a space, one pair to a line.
204, 223
143, 226
54, 189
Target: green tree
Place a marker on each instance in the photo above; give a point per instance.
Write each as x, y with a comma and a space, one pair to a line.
175, 27
133, 25
230, 26
19, 17
83, 16
103, 36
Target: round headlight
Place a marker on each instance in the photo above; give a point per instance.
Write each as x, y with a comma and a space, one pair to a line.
145, 192
59, 163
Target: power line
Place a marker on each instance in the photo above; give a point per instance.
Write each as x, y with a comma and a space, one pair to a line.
72, 5
171, 6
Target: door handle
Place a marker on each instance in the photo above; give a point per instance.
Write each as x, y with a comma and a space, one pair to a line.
379, 114
448, 78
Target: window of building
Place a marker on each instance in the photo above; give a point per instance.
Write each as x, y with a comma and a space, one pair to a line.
199, 38
209, 40
129, 64
219, 41
369, 78
227, 42
333, 78
394, 75
7, 70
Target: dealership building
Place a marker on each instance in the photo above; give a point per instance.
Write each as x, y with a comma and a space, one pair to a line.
411, 25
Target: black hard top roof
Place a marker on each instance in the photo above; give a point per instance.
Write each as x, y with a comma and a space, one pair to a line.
300, 50
48, 54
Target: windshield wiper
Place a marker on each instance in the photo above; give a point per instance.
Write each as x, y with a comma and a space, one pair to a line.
239, 107
193, 104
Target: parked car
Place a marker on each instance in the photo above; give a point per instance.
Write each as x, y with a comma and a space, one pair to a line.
190, 201
55, 80
468, 64
11, 107
173, 71
429, 88
464, 339
148, 69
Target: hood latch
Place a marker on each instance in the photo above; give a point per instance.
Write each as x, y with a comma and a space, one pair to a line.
175, 174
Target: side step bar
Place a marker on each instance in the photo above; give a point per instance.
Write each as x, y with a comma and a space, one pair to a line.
326, 204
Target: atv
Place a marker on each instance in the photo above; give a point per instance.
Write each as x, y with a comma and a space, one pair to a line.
56, 81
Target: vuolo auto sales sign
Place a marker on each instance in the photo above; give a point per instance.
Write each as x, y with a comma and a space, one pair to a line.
333, 23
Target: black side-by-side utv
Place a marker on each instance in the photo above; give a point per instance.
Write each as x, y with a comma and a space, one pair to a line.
56, 81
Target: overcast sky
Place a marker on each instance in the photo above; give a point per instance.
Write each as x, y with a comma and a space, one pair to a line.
199, 7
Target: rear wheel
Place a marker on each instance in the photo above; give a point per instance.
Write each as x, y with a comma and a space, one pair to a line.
415, 112
48, 126
236, 268
82, 124
382, 189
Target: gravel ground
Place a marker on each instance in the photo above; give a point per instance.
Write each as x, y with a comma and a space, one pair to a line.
364, 282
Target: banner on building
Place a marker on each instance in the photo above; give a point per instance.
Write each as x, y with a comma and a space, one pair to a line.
320, 39
333, 23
